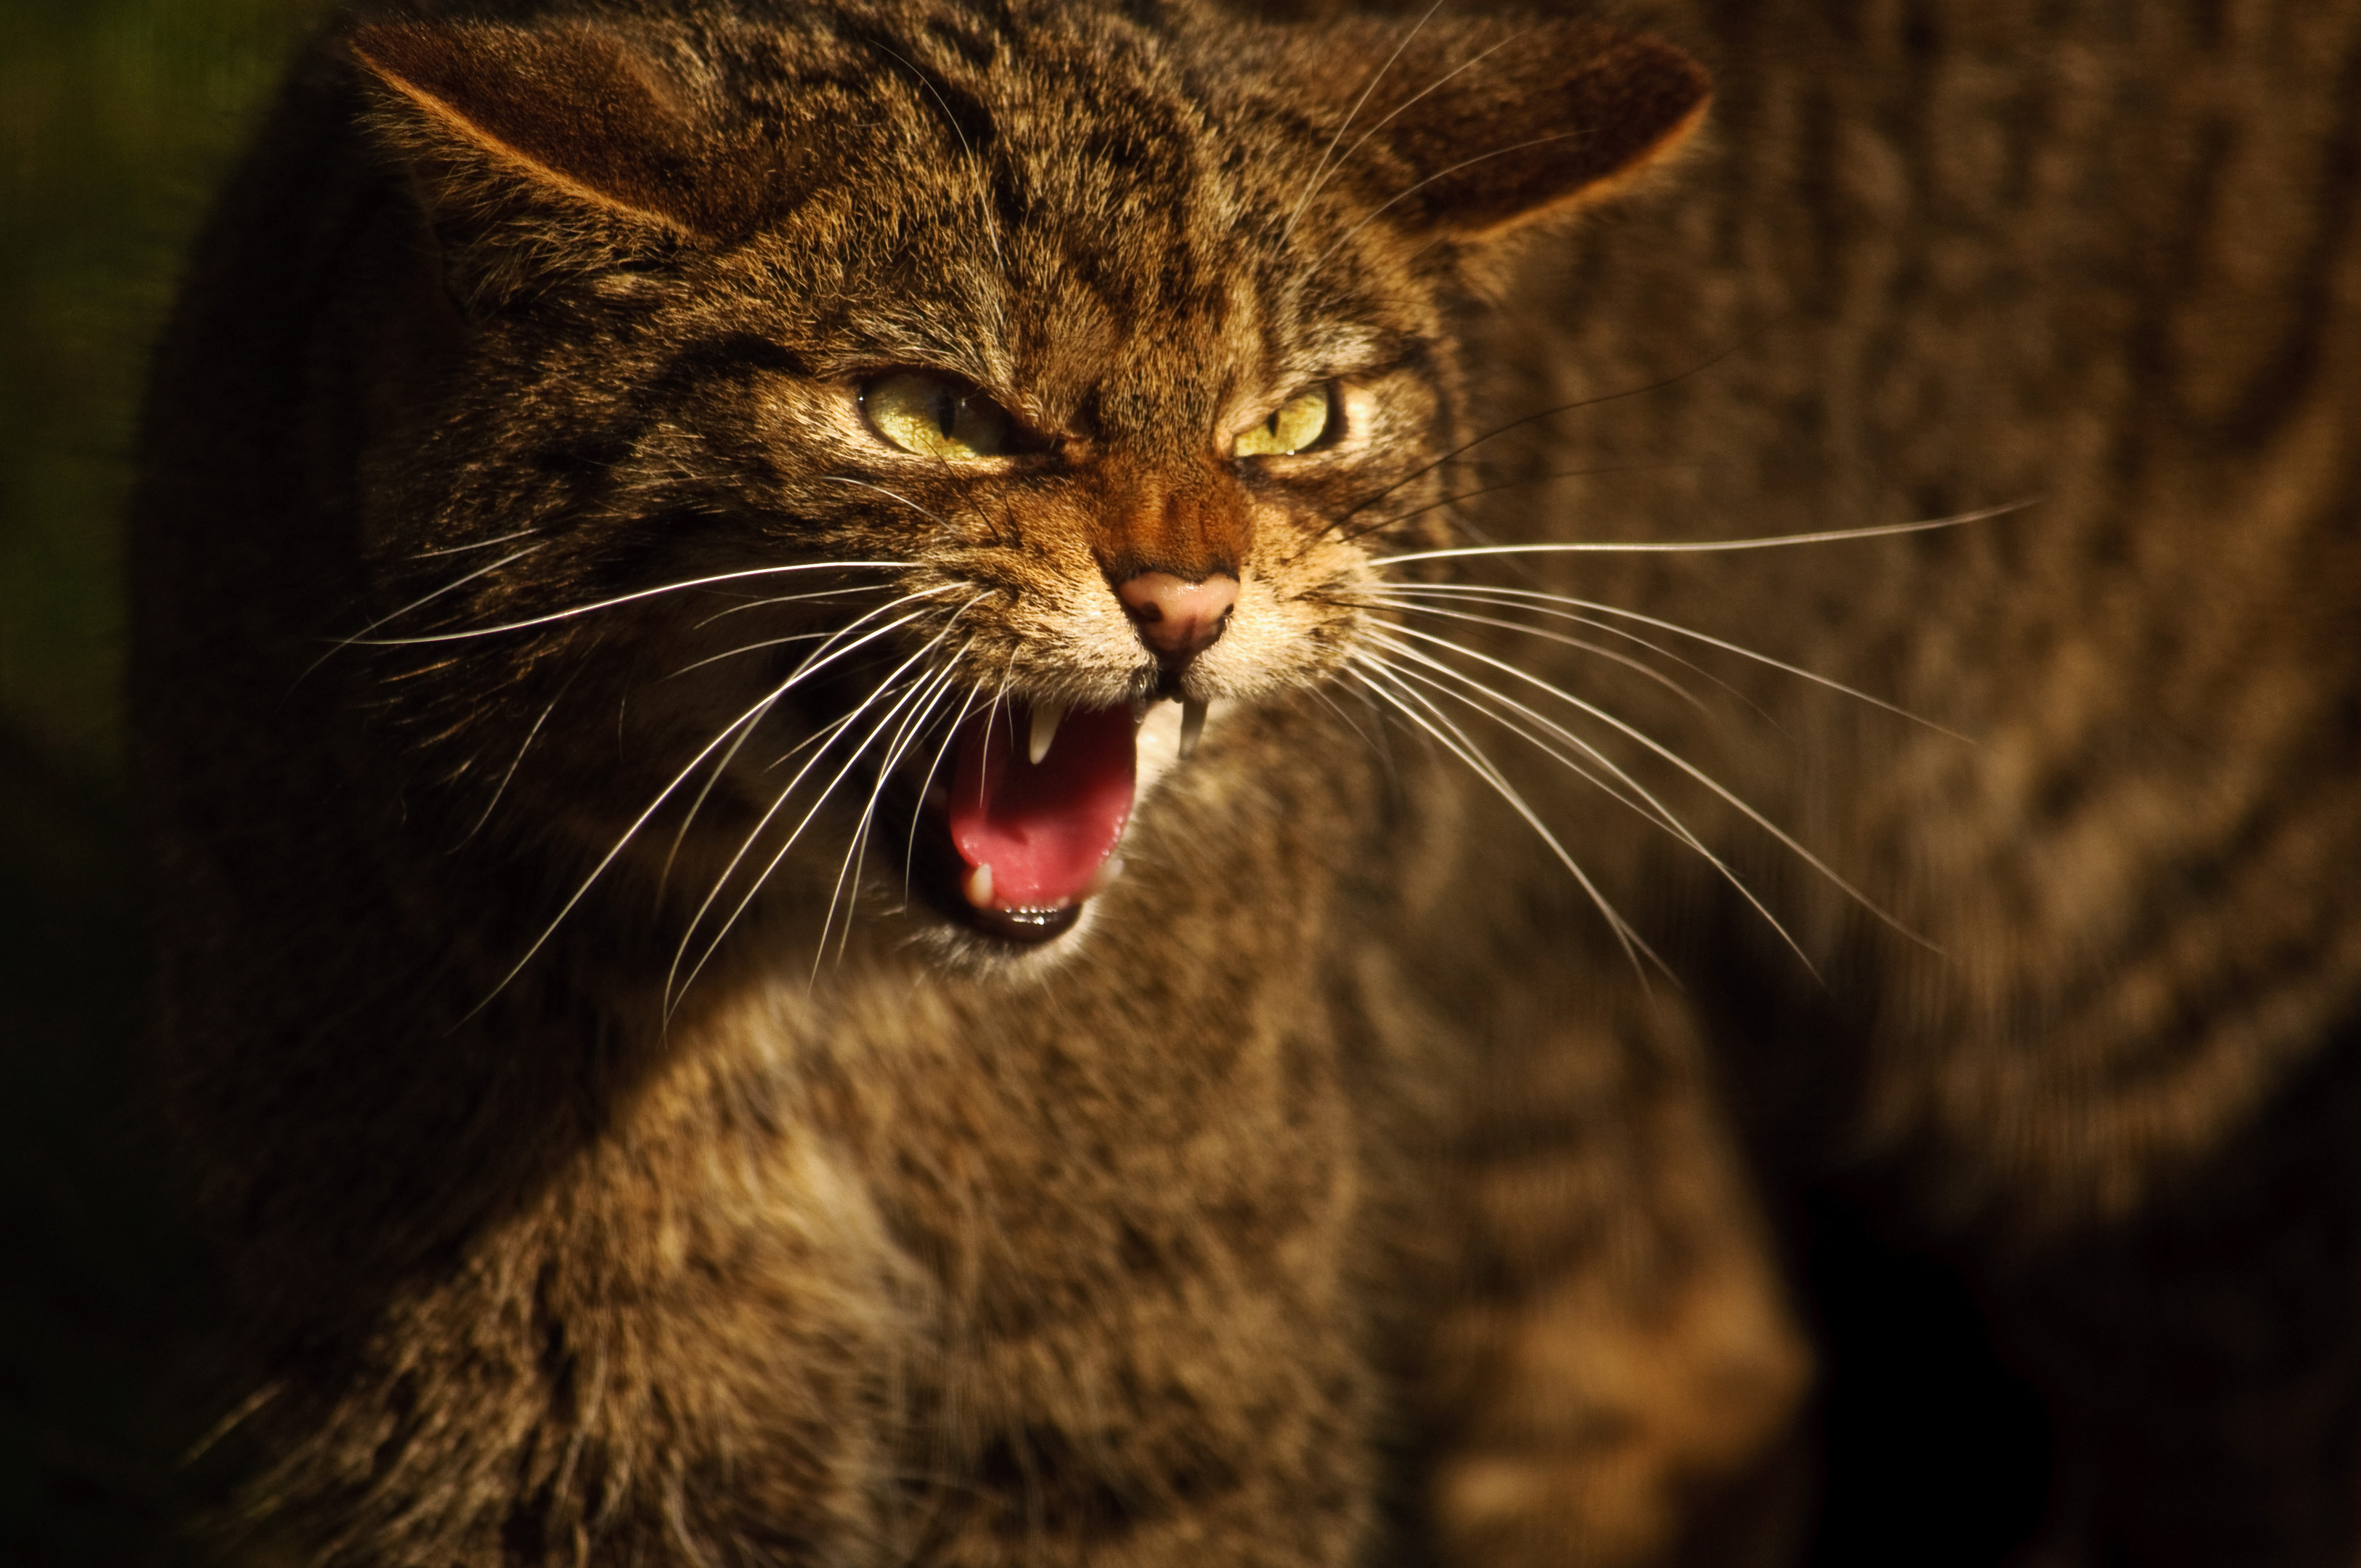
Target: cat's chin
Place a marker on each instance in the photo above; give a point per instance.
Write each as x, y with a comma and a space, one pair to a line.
963, 946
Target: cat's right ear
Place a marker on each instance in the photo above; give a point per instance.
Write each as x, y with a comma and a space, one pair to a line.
541, 150
1471, 131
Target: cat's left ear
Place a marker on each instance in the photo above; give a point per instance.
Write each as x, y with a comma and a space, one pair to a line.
1475, 130
537, 149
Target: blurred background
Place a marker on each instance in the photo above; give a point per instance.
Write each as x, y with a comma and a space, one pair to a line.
116, 119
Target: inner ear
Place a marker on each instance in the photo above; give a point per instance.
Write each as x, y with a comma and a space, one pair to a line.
1479, 129
569, 112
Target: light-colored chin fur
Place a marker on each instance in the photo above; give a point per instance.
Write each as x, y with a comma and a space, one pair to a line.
965, 951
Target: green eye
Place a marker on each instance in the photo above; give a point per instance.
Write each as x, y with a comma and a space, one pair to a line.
934, 416
1295, 424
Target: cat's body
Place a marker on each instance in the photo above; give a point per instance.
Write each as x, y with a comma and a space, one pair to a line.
2099, 259
1334, 1190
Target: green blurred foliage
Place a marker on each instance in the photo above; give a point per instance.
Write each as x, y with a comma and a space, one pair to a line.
116, 117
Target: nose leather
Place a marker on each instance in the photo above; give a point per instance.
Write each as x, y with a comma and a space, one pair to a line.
1178, 619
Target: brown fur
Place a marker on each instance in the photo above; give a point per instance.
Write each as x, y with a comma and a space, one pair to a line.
1341, 1191
866, 1239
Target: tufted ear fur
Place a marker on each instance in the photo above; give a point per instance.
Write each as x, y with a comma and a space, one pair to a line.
1476, 129
549, 145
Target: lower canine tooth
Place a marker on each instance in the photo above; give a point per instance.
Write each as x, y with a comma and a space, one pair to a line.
976, 887
1192, 725
1047, 716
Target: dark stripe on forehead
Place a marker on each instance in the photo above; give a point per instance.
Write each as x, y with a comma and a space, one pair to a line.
725, 357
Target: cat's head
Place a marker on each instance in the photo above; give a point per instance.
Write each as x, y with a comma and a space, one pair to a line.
854, 423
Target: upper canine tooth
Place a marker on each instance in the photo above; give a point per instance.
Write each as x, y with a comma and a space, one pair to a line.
1192, 725
1047, 716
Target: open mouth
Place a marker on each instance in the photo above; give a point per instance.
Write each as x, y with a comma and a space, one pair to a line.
1033, 812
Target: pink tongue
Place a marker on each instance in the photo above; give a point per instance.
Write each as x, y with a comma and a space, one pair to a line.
1044, 831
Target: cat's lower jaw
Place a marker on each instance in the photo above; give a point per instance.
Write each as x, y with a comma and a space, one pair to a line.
1026, 925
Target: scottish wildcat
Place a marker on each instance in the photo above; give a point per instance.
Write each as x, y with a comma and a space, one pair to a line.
681, 550
712, 1040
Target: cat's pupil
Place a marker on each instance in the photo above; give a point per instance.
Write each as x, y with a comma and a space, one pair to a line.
932, 416
1293, 427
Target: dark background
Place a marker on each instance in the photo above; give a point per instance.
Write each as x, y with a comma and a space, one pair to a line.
116, 118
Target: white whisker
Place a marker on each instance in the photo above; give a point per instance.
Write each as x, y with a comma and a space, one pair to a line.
1539, 602
1379, 210
1699, 546
819, 802
1577, 642
910, 847
1457, 742
889, 495
824, 655
983, 189
750, 648
1331, 704
361, 638
768, 600
516, 761
877, 693
751, 716
1655, 811
1321, 170
855, 851
1399, 599
1446, 502
1685, 765
824, 637
558, 615
912, 726
817, 744
479, 544
680, 835
1619, 786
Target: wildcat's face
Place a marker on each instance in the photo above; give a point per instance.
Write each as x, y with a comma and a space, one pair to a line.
1040, 389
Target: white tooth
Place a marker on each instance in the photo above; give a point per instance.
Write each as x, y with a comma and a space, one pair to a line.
1046, 717
976, 887
1192, 725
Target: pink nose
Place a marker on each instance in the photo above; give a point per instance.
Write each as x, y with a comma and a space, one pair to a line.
1177, 620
